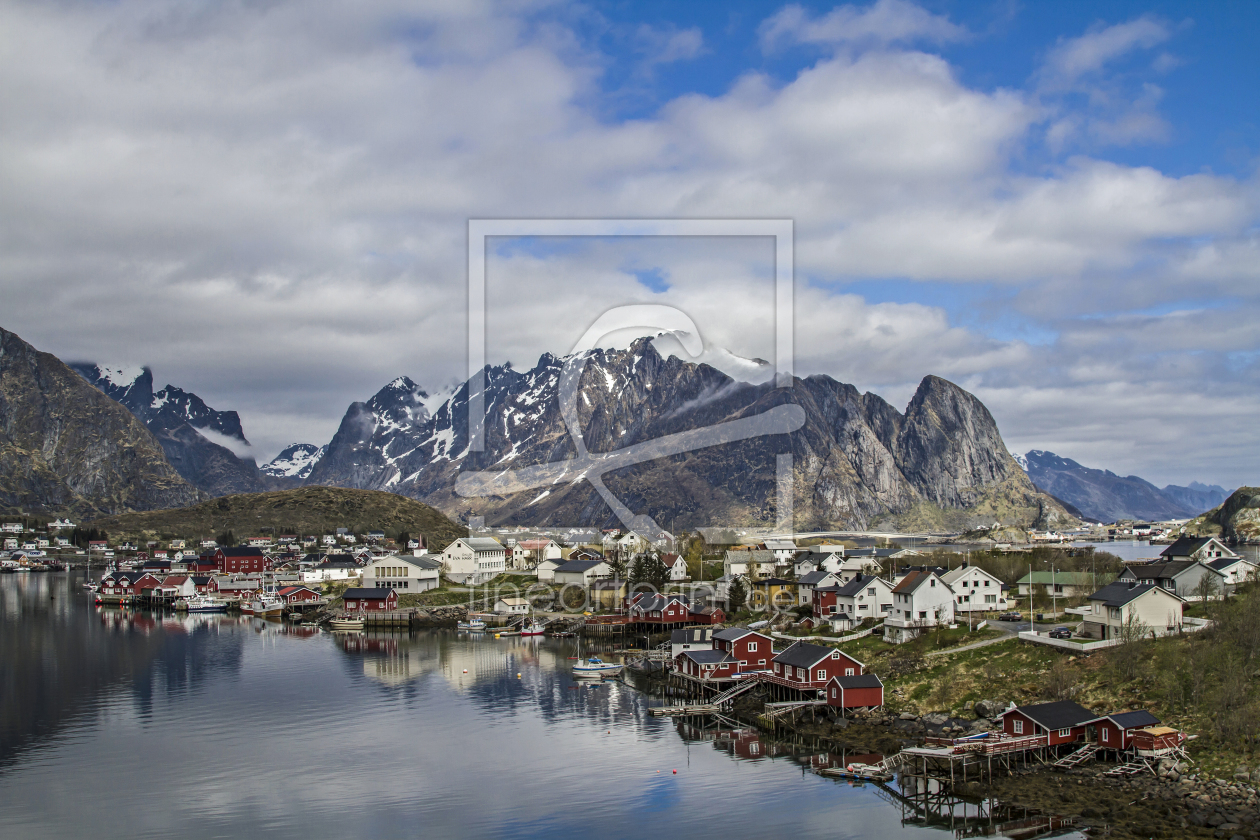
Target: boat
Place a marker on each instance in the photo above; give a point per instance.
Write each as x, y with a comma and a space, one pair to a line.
534, 628
596, 667
92, 587
203, 604
346, 622
475, 624
265, 604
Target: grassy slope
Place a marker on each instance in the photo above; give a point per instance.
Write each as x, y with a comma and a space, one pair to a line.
306, 510
1207, 684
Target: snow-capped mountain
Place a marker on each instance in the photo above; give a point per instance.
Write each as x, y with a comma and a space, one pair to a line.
1021, 460
856, 459
295, 461
195, 437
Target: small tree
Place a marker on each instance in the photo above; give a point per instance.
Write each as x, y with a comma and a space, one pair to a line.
227, 538
1126, 656
655, 572
617, 566
736, 595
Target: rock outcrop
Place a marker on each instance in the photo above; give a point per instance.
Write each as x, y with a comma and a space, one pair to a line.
64, 445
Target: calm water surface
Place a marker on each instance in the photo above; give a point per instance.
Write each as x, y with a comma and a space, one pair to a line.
130, 724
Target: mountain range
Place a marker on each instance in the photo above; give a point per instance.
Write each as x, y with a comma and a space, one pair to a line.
1103, 496
856, 461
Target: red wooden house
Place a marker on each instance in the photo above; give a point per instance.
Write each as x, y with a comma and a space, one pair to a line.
241, 560
651, 608
806, 665
1115, 731
1061, 722
360, 599
707, 664
202, 583
751, 650
298, 595
860, 691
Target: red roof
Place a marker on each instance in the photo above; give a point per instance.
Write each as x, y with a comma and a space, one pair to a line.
910, 582
285, 590
533, 545
174, 580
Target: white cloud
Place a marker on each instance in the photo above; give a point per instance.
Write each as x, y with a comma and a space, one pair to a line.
883, 22
1073, 58
270, 206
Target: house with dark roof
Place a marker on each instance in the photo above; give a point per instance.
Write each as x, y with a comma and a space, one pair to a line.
707, 664
300, 596
860, 691
807, 665
690, 638
1115, 731
1236, 570
847, 606
1060, 722
753, 650
1182, 577
1197, 548
1125, 606
808, 582
582, 572
358, 599
920, 601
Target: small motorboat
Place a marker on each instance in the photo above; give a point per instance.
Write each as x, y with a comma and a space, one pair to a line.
596, 667
475, 624
346, 622
534, 628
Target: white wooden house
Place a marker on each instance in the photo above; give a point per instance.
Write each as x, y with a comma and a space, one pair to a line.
921, 601
975, 590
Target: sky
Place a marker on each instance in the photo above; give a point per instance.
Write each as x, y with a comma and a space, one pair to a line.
1054, 205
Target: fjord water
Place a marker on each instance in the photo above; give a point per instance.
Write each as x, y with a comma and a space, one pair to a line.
133, 724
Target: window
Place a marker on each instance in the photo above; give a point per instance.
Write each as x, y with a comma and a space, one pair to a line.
848, 672
752, 647
833, 692
1105, 735
922, 613
822, 675
1063, 733
835, 654
1019, 727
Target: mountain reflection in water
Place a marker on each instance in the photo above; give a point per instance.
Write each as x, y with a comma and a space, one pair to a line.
133, 724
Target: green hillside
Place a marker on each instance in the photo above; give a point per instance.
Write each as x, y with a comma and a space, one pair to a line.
306, 510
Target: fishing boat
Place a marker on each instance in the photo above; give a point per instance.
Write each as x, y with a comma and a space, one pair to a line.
534, 628
346, 622
475, 624
265, 604
596, 667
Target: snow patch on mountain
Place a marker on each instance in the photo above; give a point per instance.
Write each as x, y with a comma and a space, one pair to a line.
120, 376
295, 461
1021, 460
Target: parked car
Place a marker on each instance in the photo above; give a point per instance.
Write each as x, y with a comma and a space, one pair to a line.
1010, 616
1061, 633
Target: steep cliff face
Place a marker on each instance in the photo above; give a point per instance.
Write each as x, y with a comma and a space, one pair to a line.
182, 423
857, 461
66, 446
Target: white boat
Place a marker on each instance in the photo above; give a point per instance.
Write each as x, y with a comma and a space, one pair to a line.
204, 604
346, 622
534, 628
475, 624
596, 667
266, 604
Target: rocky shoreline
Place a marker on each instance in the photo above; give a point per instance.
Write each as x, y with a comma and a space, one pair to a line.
1175, 802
